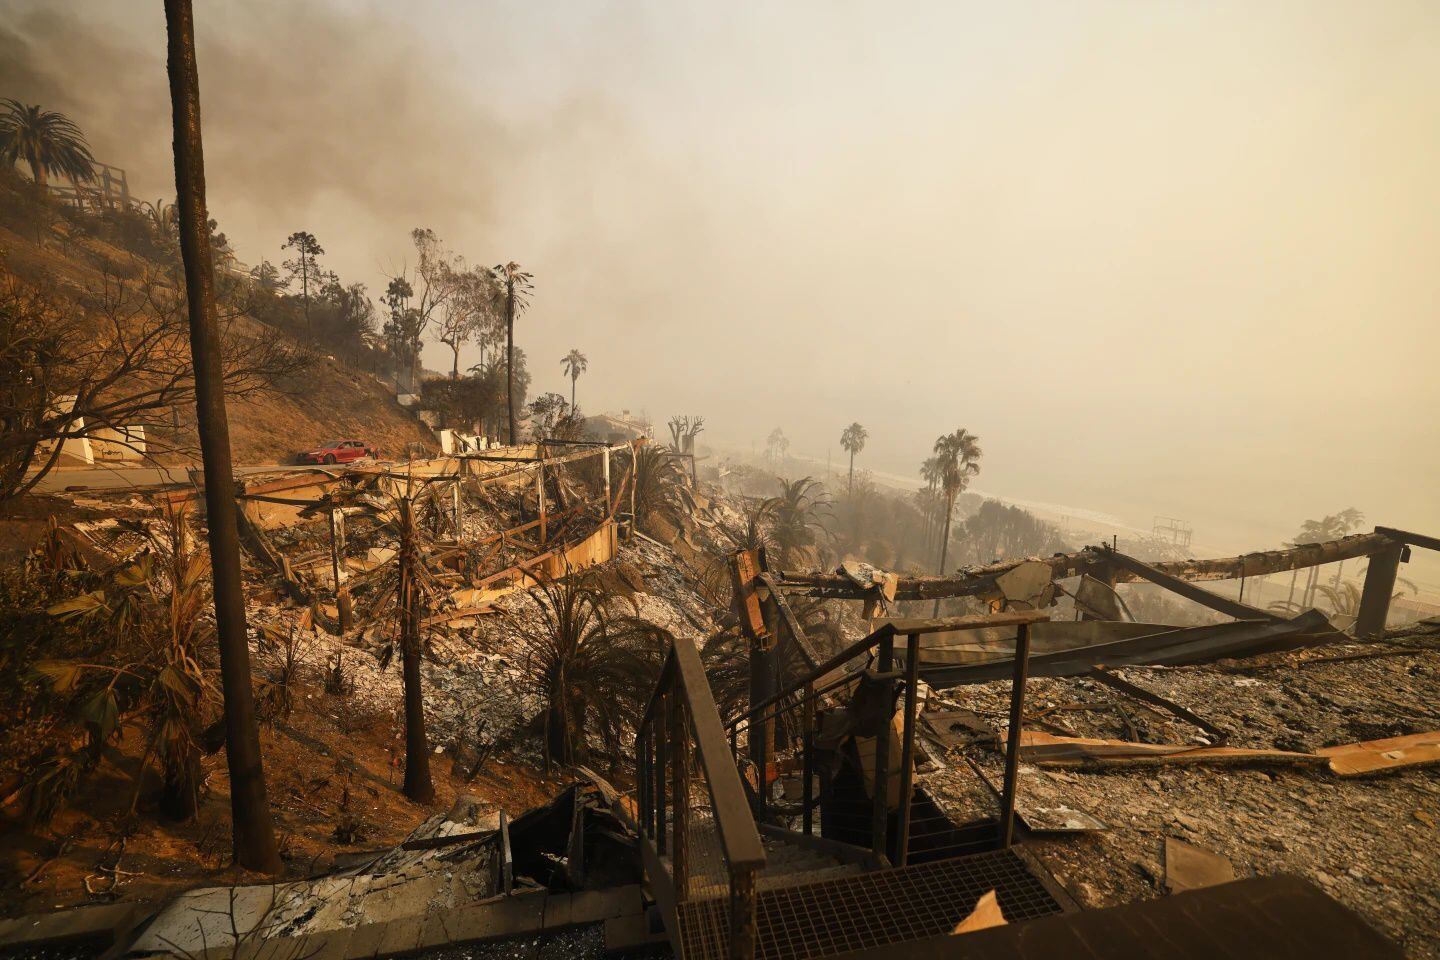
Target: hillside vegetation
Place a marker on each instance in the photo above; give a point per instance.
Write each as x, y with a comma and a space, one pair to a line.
77, 259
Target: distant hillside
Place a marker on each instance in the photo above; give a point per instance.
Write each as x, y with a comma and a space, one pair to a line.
329, 400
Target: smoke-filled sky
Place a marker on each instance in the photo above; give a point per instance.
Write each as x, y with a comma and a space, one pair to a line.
1163, 257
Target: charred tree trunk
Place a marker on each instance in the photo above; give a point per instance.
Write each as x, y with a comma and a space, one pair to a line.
510, 355
182, 773
418, 786
944, 545
254, 834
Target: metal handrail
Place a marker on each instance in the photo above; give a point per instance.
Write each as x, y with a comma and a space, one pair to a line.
680, 713
1013, 618
803, 695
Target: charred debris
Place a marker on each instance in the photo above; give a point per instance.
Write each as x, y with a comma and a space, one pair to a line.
810, 763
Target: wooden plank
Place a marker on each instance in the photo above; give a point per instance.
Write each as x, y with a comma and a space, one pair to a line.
744, 569
1047, 750
792, 623
1378, 591
738, 836
1370, 757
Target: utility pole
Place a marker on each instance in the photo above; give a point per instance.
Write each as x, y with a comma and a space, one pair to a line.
254, 831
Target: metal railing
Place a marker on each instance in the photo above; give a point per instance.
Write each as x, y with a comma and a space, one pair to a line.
802, 697
690, 853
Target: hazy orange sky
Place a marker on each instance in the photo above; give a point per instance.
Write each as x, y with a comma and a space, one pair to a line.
1163, 257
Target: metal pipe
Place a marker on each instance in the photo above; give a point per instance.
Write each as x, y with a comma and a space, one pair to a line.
1012, 748
880, 811
680, 788
661, 755
907, 751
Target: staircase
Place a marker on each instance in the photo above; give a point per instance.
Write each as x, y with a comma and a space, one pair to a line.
729, 888
810, 905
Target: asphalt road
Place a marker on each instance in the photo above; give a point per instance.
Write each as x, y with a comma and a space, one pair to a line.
111, 478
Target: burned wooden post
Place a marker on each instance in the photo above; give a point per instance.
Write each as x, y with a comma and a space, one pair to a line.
745, 569
743, 923
907, 747
884, 718
1379, 588
457, 505
606, 474
540, 495
1012, 746
505, 862
337, 552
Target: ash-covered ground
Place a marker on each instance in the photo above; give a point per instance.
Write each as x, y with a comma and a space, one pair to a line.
1373, 843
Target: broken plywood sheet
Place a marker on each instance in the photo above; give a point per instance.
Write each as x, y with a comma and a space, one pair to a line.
1370, 757
1049, 750
1028, 583
1188, 867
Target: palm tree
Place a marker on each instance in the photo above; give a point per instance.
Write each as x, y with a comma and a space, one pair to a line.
958, 456
798, 511
516, 283
254, 833
583, 665
1331, 527
574, 364
930, 473
853, 440
49, 142
662, 489
407, 591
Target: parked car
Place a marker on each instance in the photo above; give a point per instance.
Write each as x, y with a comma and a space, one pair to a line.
338, 451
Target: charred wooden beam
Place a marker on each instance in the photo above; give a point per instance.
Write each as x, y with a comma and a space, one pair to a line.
978, 581
1378, 591
1186, 589
1414, 539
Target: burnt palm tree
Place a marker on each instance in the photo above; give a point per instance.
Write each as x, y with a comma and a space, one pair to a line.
574, 364
662, 489
49, 142
853, 440
516, 286
254, 832
798, 511
583, 665
407, 521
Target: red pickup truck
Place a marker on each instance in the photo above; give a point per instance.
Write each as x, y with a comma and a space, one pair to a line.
338, 451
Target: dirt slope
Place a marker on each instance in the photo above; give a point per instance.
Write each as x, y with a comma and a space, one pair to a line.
330, 400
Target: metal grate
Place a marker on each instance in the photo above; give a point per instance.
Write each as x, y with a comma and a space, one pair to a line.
871, 909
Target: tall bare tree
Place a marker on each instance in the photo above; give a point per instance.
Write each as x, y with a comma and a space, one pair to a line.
466, 313
305, 267
254, 833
